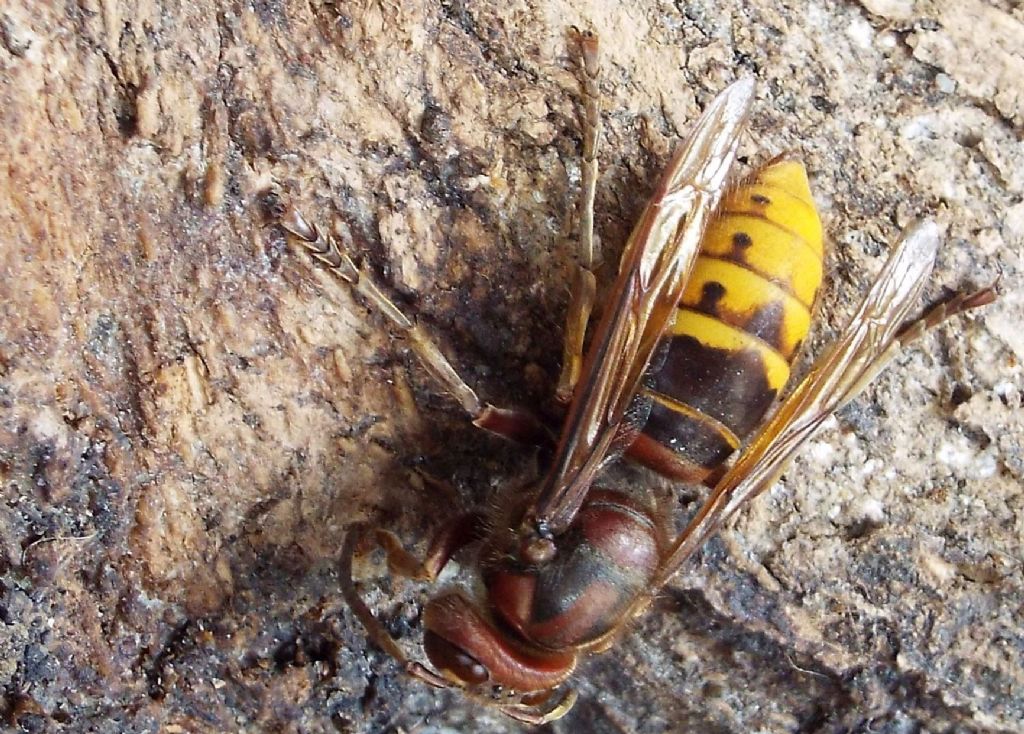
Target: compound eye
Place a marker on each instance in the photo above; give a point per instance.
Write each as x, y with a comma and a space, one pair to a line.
453, 661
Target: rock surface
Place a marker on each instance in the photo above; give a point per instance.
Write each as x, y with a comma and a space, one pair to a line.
191, 413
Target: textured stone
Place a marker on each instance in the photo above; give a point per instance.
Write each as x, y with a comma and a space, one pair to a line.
191, 413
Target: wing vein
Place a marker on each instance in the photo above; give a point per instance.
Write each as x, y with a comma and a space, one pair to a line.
655, 265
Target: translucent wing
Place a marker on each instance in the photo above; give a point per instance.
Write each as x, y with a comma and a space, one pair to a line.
652, 273
866, 345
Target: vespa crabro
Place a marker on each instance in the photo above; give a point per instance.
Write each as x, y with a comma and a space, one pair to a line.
713, 297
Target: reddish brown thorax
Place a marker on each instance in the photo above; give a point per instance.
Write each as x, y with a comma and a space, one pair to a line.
540, 616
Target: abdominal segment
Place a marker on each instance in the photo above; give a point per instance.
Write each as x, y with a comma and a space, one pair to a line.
739, 325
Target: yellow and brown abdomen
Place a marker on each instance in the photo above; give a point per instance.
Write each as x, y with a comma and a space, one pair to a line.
744, 314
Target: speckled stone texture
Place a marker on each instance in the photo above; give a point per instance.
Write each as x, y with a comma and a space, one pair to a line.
191, 413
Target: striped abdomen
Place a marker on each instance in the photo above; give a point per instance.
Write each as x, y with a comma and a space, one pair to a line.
739, 325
